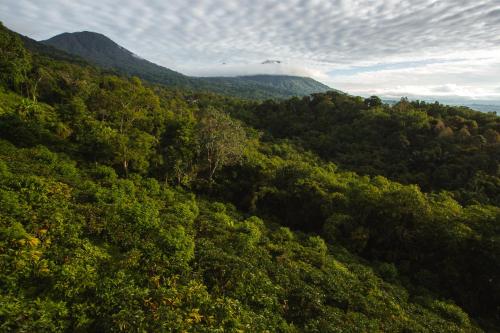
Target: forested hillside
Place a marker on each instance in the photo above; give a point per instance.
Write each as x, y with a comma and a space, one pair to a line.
435, 146
131, 207
102, 51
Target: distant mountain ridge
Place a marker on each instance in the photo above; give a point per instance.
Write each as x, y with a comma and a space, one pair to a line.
482, 106
102, 51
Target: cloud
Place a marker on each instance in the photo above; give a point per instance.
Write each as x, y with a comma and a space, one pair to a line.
225, 69
467, 75
318, 37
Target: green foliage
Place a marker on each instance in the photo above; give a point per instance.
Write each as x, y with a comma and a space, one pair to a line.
15, 61
108, 224
222, 140
435, 146
179, 148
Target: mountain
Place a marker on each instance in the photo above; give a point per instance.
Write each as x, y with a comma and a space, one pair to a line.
264, 86
484, 107
102, 51
269, 62
295, 84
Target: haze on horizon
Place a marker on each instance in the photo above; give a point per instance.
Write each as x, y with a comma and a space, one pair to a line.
446, 49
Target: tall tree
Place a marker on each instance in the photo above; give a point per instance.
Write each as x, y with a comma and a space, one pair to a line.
126, 110
222, 140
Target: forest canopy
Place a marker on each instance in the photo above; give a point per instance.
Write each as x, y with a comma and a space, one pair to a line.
128, 206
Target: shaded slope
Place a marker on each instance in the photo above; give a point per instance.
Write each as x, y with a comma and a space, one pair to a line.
104, 52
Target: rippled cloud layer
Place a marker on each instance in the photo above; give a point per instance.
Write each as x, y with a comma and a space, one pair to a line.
389, 47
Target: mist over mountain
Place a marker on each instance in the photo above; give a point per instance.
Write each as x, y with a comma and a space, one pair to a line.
100, 50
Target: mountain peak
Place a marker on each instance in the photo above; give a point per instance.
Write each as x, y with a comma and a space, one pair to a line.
82, 33
83, 37
268, 62
87, 44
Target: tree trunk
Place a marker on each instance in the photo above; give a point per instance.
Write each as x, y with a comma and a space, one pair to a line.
125, 168
213, 169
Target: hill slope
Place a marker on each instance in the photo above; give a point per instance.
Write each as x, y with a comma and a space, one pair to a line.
283, 85
113, 217
104, 52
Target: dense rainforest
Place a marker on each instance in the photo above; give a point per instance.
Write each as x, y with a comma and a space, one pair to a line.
131, 207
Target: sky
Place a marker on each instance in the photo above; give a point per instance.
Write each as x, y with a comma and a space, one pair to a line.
432, 49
